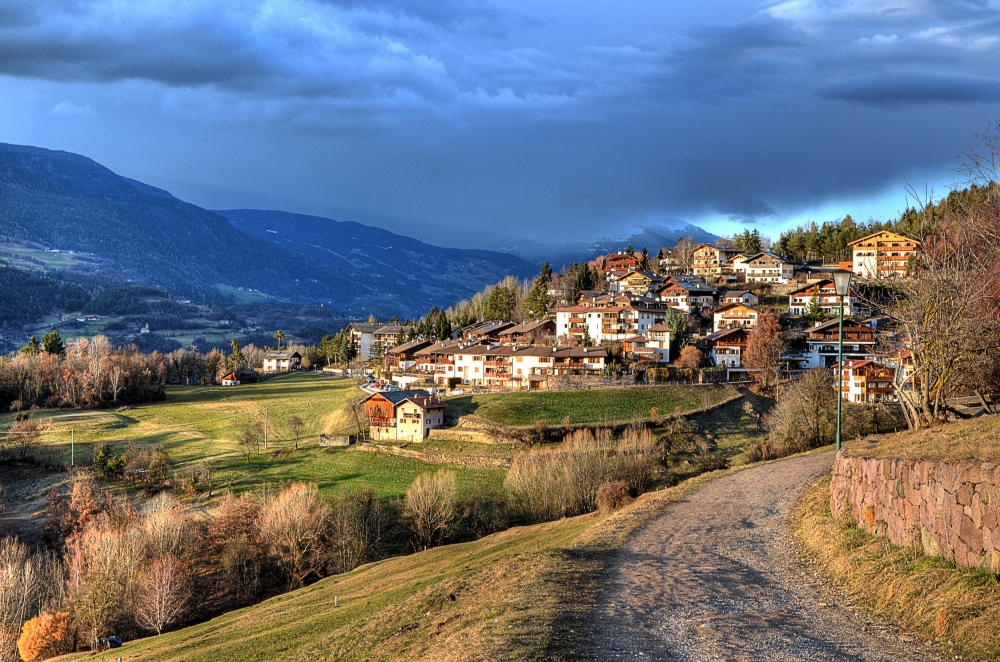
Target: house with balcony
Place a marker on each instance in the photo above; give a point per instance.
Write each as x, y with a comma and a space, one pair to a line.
363, 336
404, 357
620, 261
535, 367
738, 296
403, 415
532, 332
639, 283
731, 315
883, 255
281, 361
866, 381
822, 291
822, 341
688, 296
725, 348
765, 267
713, 260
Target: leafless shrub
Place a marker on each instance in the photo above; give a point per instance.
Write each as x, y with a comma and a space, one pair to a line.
613, 496
19, 584
430, 506
293, 525
356, 527
164, 595
805, 415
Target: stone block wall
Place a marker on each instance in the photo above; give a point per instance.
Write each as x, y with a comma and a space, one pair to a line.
950, 510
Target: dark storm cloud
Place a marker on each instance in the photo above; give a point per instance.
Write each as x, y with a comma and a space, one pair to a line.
537, 118
894, 89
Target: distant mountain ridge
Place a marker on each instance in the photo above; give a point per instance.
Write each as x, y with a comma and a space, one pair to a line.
146, 235
403, 266
654, 236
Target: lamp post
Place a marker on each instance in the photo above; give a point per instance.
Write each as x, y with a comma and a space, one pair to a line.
842, 283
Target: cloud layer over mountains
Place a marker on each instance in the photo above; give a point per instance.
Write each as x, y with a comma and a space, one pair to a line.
479, 118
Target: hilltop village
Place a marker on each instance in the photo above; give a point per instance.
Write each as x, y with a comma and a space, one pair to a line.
690, 313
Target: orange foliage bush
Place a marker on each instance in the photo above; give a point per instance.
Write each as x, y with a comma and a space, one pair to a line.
45, 636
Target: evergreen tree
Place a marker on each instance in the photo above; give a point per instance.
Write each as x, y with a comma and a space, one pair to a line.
32, 348
500, 303
586, 340
280, 335
235, 360
536, 304
815, 313
644, 263
584, 280
52, 343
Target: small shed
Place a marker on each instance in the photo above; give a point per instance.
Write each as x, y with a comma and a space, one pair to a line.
231, 380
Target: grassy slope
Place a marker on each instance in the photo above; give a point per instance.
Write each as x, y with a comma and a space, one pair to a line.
960, 608
971, 440
197, 423
520, 594
588, 407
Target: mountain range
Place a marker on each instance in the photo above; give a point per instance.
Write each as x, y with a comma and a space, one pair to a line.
142, 234
132, 233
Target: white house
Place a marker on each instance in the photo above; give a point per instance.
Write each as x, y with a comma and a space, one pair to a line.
767, 267
281, 361
800, 300
363, 336
731, 315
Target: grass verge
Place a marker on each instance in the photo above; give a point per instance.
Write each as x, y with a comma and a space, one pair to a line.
972, 440
959, 609
605, 406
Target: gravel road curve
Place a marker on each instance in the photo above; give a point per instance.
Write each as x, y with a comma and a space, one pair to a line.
717, 578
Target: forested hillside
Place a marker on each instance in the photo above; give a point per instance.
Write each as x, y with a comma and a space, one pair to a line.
401, 269
145, 235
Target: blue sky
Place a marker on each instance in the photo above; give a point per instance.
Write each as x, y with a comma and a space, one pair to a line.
467, 122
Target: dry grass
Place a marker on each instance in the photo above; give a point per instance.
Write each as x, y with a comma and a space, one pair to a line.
975, 439
957, 608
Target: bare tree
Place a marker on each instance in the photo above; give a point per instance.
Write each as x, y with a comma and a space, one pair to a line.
430, 506
250, 438
946, 313
23, 436
164, 596
764, 347
296, 425
294, 526
19, 583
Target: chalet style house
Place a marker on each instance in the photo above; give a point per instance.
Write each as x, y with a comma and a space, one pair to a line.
488, 330
730, 315
883, 255
867, 381
404, 357
639, 283
767, 267
529, 333
403, 415
859, 343
281, 361
800, 300
607, 319
621, 261
713, 260
725, 348
688, 296
738, 296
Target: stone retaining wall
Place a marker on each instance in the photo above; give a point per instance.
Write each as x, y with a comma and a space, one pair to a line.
471, 461
951, 510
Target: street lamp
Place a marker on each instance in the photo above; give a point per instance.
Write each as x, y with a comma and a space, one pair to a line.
842, 283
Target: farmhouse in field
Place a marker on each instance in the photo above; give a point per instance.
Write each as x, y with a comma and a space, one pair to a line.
282, 361
403, 415
231, 380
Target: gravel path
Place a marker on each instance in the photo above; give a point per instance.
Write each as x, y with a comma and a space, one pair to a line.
717, 578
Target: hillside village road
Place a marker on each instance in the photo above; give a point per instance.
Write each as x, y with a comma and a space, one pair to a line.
717, 578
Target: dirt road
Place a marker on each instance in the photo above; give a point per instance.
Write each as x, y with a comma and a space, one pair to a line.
717, 578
